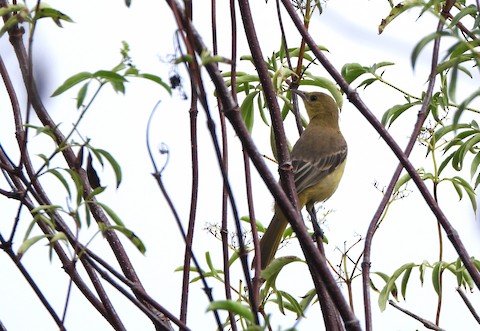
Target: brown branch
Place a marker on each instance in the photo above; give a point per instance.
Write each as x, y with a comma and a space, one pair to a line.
468, 304
232, 113
193, 112
192, 35
286, 177
354, 98
17, 178
69, 155
426, 323
422, 115
7, 248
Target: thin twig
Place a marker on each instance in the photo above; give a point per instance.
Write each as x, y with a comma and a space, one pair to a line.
232, 113
193, 41
422, 114
371, 118
286, 176
468, 304
426, 323
7, 248
158, 176
70, 157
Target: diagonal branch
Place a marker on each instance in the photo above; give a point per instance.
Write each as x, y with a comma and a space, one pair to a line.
314, 259
354, 98
422, 115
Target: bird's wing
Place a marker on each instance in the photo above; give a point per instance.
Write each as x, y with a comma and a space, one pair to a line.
309, 171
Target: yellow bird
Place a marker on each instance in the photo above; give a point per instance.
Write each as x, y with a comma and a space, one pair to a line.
318, 160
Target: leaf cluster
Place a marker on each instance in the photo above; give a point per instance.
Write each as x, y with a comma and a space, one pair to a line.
403, 273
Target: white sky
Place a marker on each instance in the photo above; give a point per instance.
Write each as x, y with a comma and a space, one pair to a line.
117, 123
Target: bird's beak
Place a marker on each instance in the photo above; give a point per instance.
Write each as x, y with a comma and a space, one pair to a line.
301, 94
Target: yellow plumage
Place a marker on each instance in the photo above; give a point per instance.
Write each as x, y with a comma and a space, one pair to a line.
318, 160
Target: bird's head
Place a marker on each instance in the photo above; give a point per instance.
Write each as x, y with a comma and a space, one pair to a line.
318, 104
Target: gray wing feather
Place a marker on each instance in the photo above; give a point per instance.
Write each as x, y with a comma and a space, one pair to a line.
309, 172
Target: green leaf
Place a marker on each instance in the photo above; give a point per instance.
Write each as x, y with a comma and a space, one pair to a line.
270, 273
280, 76
134, 239
110, 213
477, 181
118, 86
459, 155
467, 278
382, 275
22, 14
96, 192
157, 80
12, 21
351, 71
405, 278
57, 16
27, 244
401, 181
293, 52
235, 307
11, 8
113, 163
279, 301
247, 110
208, 258
382, 64
474, 165
367, 82
308, 298
243, 79
470, 10
454, 62
81, 95
88, 217
390, 286
78, 184
467, 188
72, 81
463, 46
261, 108
424, 42
396, 11
452, 87
459, 273
44, 208
444, 163
293, 304
109, 76
422, 268
436, 275
463, 105
58, 236
393, 113
445, 130
62, 180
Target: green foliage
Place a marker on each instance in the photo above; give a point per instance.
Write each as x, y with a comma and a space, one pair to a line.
351, 71
116, 78
20, 14
457, 269
452, 144
243, 311
282, 76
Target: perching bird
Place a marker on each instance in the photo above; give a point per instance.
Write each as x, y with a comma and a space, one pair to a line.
318, 160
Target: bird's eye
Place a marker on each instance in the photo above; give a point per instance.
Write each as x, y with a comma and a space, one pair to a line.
313, 98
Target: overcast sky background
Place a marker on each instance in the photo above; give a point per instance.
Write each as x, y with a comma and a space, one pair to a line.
117, 123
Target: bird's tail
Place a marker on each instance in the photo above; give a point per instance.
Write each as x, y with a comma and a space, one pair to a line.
272, 237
